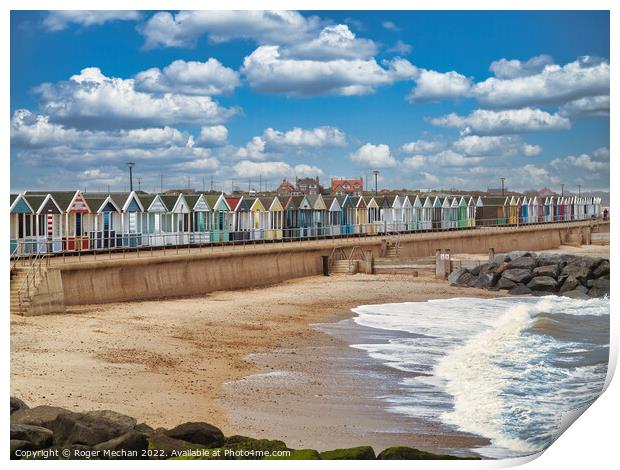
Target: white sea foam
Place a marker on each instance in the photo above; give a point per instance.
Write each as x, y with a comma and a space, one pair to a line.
505, 368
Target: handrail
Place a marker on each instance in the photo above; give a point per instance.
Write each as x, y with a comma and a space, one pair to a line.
96, 244
31, 274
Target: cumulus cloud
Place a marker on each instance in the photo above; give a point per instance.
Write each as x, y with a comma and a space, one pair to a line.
433, 86
333, 42
308, 170
374, 156
505, 68
586, 107
192, 78
90, 99
213, 136
553, 85
495, 145
510, 121
57, 20
183, 29
537, 176
583, 161
423, 146
29, 130
267, 71
249, 169
325, 136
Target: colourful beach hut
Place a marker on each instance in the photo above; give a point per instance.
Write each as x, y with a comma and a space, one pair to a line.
200, 219
276, 219
428, 212
417, 213
49, 216
334, 212
22, 227
437, 213
222, 218
319, 214
463, 214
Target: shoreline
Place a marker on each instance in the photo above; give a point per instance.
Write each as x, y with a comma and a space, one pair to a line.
166, 362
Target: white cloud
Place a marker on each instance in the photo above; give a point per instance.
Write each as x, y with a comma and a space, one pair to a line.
495, 145
505, 68
93, 100
57, 20
325, 136
452, 158
333, 42
253, 150
200, 164
429, 178
248, 169
30, 130
432, 85
213, 135
307, 170
267, 71
510, 121
414, 162
537, 176
583, 161
390, 25
192, 78
423, 146
374, 156
555, 84
401, 48
585, 107
601, 153
184, 28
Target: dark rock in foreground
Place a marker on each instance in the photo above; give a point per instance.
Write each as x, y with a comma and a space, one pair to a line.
523, 273
354, 453
197, 433
53, 433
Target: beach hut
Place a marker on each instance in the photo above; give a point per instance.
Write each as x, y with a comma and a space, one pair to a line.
200, 219
221, 218
454, 213
22, 227
490, 211
360, 218
304, 215
407, 220
107, 221
291, 227
463, 214
260, 219
525, 209
437, 213
241, 218
397, 214
276, 219
348, 214
374, 216
473, 209
132, 220
77, 224
513, 210
445, 213
334, 213
319, 214
417, 213
428, 211
49, 221
157, 224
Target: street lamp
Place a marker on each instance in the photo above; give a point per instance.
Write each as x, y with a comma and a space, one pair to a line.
376, 173
503, 179
130, 165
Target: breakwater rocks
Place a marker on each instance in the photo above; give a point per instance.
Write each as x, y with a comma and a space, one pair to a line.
522, 273
50, 432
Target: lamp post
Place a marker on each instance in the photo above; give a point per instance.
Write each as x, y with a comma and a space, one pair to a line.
503, 179
376, 173
562, 189
130, 165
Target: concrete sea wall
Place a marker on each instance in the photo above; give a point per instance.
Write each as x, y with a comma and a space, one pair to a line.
190, 274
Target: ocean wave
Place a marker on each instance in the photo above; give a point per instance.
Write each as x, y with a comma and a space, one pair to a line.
505, 368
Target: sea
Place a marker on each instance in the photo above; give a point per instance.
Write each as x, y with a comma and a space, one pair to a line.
510, 369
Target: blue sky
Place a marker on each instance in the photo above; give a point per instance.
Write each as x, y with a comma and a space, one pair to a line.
431, 99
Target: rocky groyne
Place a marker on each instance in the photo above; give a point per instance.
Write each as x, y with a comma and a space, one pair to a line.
51, 432
522, 273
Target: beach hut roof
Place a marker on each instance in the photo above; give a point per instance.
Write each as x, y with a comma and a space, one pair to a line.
407, 202
46, 203
256, 205
334, 205
455, 202
276, 204
317, 201
36, 201
133, 202
21, 205
427, 202
417, 202
446, 203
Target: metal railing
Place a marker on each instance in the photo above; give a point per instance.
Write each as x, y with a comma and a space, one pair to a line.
29, 283
96, 245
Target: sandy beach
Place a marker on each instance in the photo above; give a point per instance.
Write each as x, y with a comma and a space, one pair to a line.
255, 362
165, 362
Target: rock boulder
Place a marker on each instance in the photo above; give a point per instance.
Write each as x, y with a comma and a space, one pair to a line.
198, 433
543, 283
517, 275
